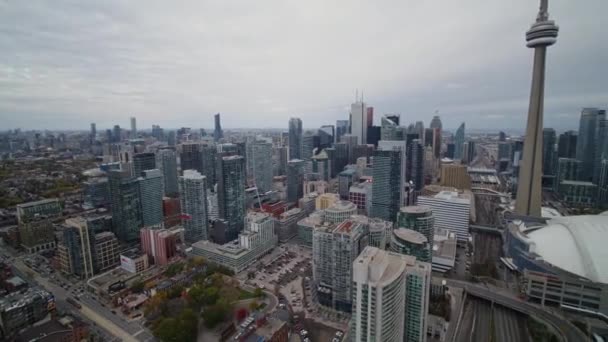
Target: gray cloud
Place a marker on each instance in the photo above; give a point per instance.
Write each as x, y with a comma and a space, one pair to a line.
67, 63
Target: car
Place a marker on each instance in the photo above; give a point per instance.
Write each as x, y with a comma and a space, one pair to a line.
335, 339
339, 333
114, 312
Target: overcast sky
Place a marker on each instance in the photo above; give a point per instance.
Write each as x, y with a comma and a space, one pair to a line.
64, 64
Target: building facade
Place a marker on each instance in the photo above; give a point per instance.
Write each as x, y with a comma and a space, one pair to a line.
193, 202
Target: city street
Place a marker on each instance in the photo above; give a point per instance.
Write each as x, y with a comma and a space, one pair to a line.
92, 310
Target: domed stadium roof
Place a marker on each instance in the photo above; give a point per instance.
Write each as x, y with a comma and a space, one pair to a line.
575, 244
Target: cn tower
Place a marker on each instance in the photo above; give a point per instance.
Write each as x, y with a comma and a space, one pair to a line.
542, 34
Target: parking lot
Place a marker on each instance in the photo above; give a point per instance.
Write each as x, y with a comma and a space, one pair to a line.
284, 265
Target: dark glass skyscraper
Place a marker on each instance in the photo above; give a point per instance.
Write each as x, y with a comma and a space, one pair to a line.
295, 180
459, 142
549, 160
166, 162
414, 163
342, 127
566, 145
142, 162
231, 194
386, 192
217, 133
151, 197
588, 141
125, 204
295, 138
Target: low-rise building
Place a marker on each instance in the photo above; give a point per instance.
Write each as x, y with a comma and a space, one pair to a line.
256, 240
19, 310
134, 261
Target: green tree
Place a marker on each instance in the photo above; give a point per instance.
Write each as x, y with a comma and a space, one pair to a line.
258, 292
137, 286
174, 269
182, 328
215, 314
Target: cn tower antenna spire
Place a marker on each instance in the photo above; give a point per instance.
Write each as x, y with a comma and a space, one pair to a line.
542, 34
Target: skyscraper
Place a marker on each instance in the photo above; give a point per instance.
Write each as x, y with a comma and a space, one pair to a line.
566, 145
437, 126
420, 219
295, 180
359, 121
217, 133
459, 142
190, 156
151, 197
125, 205
261, 159
279, 160
208, 163
309, 142
549, 160
601, 149
587, 141
166, 162
414, 166
391, 297
93, 133
78, 240
389, 124
326, 136
386, 188
542, 34
342, 127
133, 128
193, 200
116, 134
334, 249
295, 138
142, 162
231, 194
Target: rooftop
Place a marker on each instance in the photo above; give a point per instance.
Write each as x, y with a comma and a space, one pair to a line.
575, 244
22, 298
383, 267
416, 209
453, 196
342, 205
409, 235
444, 244
580, 183
41, 202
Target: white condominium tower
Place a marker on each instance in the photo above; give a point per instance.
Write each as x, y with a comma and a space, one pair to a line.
391, 294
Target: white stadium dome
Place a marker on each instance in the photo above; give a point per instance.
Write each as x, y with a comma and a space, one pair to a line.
576, 244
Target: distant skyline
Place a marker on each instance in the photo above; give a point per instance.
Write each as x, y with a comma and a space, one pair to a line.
66, 64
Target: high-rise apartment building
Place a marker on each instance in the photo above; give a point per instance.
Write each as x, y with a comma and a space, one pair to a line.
340, 211
77, 241
280, 156
295, 180
231, 194
166, 162
602, 185
335, 247
125, 204
190, 156
193, 201
390, 297
386, 188
159, 244
459, 142
261, 160
217, 132
419, 219
295, 138
151, 197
